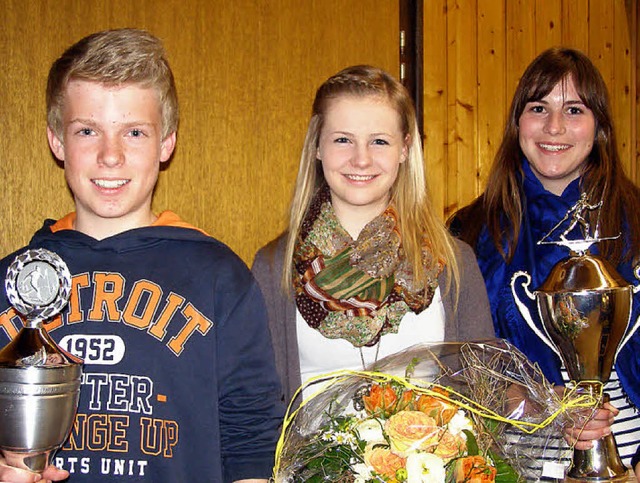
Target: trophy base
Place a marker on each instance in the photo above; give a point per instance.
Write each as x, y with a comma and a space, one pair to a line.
30, 461
602, 461
599, 464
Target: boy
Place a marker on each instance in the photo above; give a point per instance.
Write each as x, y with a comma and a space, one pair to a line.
179, 381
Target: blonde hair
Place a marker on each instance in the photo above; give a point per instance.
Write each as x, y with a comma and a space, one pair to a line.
409, 193
114, 57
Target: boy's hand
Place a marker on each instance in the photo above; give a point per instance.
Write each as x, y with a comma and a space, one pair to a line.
9, 474
598, 426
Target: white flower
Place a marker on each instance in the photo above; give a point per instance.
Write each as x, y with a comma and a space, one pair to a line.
425, 468
339, 437
370, 430
342, 437
459, 422
362, 472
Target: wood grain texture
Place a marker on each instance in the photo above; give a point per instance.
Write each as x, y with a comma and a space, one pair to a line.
622, 105
462, 102
548, 24
520, 39
492, 92
246, 73
575, 34
489, 43
633, 13
435, 90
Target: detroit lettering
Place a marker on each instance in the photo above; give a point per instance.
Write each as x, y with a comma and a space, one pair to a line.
116, 418
143, 309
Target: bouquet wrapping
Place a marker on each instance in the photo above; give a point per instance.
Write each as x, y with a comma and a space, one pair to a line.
450, 412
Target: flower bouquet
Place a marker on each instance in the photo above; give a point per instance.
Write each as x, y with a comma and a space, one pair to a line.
451, 412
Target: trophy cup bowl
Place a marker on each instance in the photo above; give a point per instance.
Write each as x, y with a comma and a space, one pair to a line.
38, 406
585, 306
39, 382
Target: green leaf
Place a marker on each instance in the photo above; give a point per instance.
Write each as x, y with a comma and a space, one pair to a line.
411, 367
491, 424
505, 472
472, 444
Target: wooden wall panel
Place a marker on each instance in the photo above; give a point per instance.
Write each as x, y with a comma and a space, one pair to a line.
246, 72
548, 16
520, 39
491, 84
575, 34
462, 99
435, 119
601, 37
621, 84
489, 43
633, 14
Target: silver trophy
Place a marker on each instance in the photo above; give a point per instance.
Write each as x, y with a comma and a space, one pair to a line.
39, 382
584, 307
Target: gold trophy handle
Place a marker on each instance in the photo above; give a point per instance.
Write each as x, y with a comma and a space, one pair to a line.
524, 310
631, 328
636, 272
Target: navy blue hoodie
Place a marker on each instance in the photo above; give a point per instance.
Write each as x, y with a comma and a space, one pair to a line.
179, 381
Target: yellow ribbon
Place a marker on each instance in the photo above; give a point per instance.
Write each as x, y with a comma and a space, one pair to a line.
570, 400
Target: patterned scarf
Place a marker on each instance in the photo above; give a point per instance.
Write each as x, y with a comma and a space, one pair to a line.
356, 290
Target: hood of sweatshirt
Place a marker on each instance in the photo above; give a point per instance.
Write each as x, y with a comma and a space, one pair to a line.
168, 226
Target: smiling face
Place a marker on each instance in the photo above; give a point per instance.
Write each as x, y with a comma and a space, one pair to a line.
111, 150
361, 147
556, 135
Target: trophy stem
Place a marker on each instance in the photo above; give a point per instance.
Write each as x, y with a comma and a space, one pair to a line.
30, 460
601, 462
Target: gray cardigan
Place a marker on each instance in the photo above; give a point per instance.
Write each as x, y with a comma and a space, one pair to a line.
470, 321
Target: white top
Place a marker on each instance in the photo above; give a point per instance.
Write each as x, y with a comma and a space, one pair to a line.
320, 355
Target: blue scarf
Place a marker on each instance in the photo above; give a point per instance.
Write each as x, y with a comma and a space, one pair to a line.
542, 211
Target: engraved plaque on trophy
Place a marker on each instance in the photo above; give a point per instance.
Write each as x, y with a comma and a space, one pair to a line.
584, 307
39, 382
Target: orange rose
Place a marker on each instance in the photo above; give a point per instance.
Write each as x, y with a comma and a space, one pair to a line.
411, 431
439, 409
383, 461
450, 446
404, 401
381, 401
474, 469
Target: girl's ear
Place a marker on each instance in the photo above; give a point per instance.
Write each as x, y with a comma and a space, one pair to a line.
405, 148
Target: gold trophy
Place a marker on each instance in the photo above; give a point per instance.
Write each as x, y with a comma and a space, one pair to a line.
584, 307
39, 382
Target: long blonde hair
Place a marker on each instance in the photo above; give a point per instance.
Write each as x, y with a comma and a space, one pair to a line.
409, 193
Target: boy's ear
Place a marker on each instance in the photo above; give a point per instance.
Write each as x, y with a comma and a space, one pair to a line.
167, 147
56, 145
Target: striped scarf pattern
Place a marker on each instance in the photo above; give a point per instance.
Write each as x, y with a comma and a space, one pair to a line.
355, 290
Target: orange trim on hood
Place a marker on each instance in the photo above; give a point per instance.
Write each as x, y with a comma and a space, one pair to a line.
169, 218
166, 218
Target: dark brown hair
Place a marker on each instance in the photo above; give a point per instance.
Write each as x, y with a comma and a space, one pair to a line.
603, 178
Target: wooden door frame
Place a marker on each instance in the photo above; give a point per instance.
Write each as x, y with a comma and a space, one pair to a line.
633, 14
411, 56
